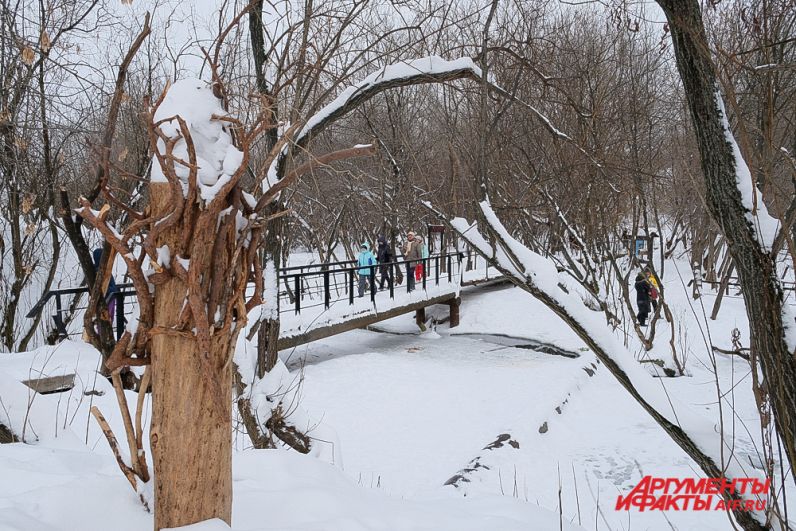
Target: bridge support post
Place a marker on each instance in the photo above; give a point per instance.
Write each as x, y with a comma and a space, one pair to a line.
454, 306
420, 318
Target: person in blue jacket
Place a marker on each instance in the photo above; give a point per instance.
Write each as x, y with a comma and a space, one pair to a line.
365, 259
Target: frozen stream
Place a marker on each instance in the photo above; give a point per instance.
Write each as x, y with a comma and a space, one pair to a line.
411, 410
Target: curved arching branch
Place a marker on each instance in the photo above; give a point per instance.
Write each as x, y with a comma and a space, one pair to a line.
423, 71
537, 276
113, 112
427, 70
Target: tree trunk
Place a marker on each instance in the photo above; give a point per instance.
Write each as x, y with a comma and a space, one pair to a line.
267, 341
756, 269
588, 330
268, 334
725, 283
191, 440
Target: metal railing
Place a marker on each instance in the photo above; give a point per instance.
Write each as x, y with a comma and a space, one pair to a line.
734, 282
123, 291
318, 285
305, 286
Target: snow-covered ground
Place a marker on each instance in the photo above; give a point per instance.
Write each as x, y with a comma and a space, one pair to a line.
411, 412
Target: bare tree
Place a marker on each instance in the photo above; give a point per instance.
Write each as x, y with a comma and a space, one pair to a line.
539, 277
735, 203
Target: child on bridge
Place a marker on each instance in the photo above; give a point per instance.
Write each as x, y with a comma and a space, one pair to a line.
365, 272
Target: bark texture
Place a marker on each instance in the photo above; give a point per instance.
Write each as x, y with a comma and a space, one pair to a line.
761, 289
190, 437
526, 281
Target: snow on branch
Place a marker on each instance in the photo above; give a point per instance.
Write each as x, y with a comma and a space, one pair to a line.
538, 275
425, 70
764, 225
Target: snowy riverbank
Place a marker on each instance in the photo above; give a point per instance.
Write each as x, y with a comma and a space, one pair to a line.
410, 411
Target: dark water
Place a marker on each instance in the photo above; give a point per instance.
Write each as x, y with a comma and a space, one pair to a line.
522, 342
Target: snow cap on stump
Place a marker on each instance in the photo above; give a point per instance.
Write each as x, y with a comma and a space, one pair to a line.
216, 158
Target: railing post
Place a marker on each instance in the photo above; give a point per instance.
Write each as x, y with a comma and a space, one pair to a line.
119, 314
350, 286
392, 280
425, 271
450, 275
59, 323
326, 293
436, 270
297, 291
454, 306
372, 283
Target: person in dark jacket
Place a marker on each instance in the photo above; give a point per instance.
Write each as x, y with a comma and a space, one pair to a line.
642, 298
384, 256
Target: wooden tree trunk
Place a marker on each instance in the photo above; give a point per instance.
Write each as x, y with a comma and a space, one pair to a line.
587, 334
756, 268
191, 440
268, 334
723, 287
267, 341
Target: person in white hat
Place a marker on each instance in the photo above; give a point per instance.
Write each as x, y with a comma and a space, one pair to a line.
412, 254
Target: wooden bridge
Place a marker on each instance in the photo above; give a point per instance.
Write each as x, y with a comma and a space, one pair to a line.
321, 300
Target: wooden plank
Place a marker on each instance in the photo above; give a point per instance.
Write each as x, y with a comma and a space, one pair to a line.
483, 282
455, 306
51, 384
358, 322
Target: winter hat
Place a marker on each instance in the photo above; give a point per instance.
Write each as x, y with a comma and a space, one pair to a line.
410, 233
365, 245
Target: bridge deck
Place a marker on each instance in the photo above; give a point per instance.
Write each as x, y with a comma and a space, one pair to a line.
317, 320
360, 316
